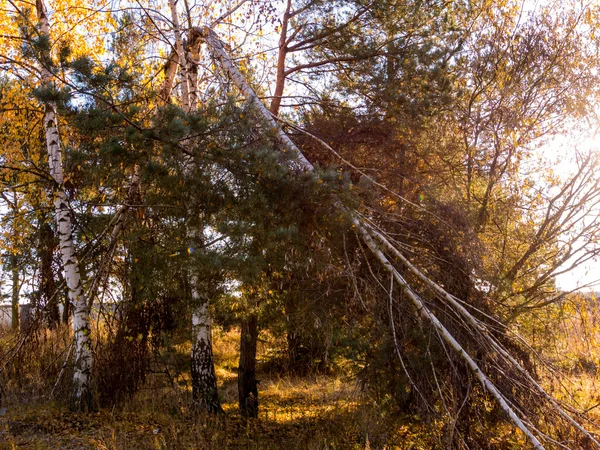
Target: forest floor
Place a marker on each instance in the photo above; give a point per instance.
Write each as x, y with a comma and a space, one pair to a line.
311, 412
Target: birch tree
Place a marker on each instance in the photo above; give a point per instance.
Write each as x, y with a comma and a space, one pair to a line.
81, 390
204, 381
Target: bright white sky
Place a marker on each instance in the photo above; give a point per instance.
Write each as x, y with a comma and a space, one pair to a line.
562, 151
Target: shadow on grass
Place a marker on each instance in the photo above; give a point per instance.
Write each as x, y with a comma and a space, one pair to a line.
48, 427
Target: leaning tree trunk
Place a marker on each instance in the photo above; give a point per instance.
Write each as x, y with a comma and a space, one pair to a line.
81, 390
247, 385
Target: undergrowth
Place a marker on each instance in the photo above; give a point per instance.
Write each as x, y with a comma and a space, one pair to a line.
310, 412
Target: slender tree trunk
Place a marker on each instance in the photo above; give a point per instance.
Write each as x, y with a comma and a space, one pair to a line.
14, 266
247, 385
482, 216
170, 70
66, 313
204, 380
183, 72
48, 298
300, 163
283, 51
64, 294
119, 225
81, 390
192, 58
81, 393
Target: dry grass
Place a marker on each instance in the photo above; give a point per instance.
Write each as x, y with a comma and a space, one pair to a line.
570, 342
316, 412
295, 413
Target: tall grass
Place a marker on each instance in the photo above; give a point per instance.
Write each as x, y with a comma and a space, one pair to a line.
311, 412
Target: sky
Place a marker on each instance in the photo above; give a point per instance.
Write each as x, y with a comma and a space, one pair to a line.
562, 150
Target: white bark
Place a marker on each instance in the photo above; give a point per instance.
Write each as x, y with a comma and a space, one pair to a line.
81, 393
485, 333
185, 89
204, 381
445, 334
446, 296
219, 53
299, 161
170, 70
192, 55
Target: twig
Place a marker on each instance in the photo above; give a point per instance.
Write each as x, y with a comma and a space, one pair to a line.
62, 371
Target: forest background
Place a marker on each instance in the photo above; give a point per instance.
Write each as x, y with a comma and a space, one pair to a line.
320, 224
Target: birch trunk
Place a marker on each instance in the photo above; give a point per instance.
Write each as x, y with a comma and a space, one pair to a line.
184, 80
302, 163
192, 58
204, 380
299, 162
80, 393
170, 71
205, 393
81, 390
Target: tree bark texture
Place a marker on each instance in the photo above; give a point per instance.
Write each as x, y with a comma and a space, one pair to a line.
81, 390
283, 51
247, 384
204, 380
183, 72
299, 162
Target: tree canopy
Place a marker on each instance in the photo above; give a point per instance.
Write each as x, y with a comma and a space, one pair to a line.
370, 180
